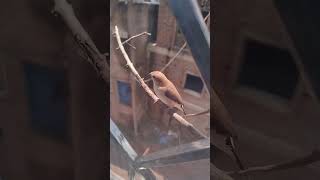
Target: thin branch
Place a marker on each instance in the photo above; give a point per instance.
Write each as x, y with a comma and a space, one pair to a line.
174, 57
208, 23
197, 114
206, 18
135, 36
299, 162
190, 126
131, 46
132, 68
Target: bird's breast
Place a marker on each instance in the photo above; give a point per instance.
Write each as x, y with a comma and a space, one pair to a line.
164, 98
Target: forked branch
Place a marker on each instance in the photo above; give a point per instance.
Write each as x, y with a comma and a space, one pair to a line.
135, 36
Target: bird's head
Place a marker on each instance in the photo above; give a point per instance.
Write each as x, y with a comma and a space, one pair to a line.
158, 77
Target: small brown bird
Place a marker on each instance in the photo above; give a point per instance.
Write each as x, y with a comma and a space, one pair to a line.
166, 91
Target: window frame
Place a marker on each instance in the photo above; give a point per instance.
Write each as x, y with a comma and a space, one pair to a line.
118, 95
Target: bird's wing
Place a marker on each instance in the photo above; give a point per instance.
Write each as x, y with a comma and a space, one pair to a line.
172, 94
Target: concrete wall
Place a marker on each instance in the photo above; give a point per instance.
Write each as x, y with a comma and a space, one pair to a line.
30, 33
131, 19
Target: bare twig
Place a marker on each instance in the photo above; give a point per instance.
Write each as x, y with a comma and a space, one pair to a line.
131, 45
190, 126
146, 151
132, 68
208, 22
82, 38
299, 162
174, 57
180, 50
197, 114
181, 120
135, 36
206, 18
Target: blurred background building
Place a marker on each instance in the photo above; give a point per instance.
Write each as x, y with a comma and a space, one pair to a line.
262, 80
52, 105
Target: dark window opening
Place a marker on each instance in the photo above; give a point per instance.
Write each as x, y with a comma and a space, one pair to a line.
153, 22
268, 69
124, 91
1, 132
193, 83
47, 97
